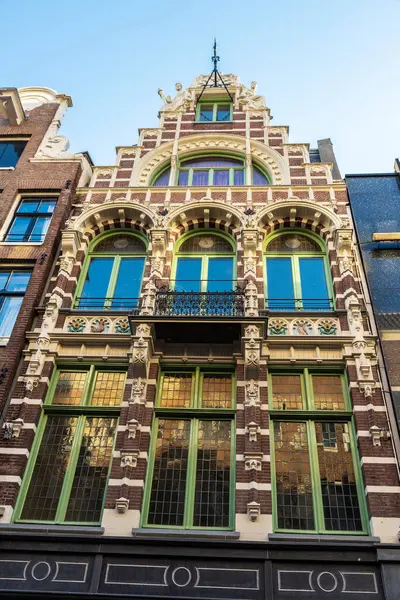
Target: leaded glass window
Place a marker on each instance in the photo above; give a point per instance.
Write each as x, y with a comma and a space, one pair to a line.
296, 274
189, 479
315, 459
67, 475
112, 275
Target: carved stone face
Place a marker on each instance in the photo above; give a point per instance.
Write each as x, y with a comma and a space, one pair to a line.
178, 87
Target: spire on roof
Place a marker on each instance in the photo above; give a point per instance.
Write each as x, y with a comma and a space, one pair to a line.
215, 78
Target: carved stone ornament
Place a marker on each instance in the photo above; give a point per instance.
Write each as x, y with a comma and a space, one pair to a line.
132, 427
252, 395
76, 325
367, 389
143, 330
51, 312
137, 391
252, 462
302, 327
251, 299
156, 266
122, 325
253, 429
67, 264
99, 325
327, 327
277, 327
13, 429
253, 510
129, 458
121, 505
377, 434
31, 383
149, 298
249, 265
252, 357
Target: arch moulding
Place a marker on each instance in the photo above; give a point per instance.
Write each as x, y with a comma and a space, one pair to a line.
298, 214
224, 215
272, 161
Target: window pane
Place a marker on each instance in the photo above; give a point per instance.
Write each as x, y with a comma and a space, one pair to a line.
220, 275
200, 178
328, 392
90, 479
206, 112
293, 242
280, 284
39, 230
10, 153
183, 178
338, 482
212, 161
18, 230
223, 112
167, 498
28, 206
211, 502
188, 274
286, 392
259, 178
217, 391
129, 283
96, 283
176, 390
121, 243
47, 206
4, 275
108, 389
8, 315
163, 179
18, 281
294, 499
238, 177
51, 465
69, 388
313, 284
221, 178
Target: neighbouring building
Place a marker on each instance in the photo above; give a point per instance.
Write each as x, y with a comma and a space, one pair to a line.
375, 204
199, 409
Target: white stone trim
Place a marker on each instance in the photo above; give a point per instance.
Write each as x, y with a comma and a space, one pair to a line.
382, 489
378, 460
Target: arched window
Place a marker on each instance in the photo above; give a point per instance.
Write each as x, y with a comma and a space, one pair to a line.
212, 171
204, 262
296, 273
112, 275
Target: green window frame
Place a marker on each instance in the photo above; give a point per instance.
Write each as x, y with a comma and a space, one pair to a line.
298, 302
316, 475
205, 257
108, 302
68, 470
190, 481
217, 110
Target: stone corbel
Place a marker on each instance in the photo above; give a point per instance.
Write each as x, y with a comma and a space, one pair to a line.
251, 299
132, 428
138, 393
252, 462
121, 505
159, 241
70, 242
376, 433
252, 393
13, 428
253, 510
149, 298
67, 264
253, 430
367, 388
129, 458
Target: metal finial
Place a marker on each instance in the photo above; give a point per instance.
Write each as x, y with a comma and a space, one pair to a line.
216, 74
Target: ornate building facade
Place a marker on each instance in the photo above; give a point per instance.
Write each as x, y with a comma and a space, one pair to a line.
199, 410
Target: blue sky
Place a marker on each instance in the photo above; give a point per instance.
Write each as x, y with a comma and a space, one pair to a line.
328, 68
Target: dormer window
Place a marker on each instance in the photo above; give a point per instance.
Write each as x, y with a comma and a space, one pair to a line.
208, 112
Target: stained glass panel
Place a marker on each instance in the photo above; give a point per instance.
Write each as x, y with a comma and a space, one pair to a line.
167, 497
217, 391
90, 478
176, 390
208, 243
69, 388
338, 484
294, 498
286, 392
44, 490
108, 389
328, 392
293, 242
211, 503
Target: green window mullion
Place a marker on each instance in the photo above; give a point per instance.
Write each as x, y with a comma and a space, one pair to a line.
150, 471
319, 520
358, 475
190, 177
197, 388
215, 109
191, 475
204, 273
306, 379
89, 386
231, 176
296, 282
211, 176
70, 472
113, 281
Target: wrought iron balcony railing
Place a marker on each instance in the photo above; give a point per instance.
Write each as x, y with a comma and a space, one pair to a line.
179, 302
299, 304
127, 304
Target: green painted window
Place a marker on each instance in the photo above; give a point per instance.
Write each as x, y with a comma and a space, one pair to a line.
112, 275
315, 469
296, 274
190, 480
67, 474
207, 112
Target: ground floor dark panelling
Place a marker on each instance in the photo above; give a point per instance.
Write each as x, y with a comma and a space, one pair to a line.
37, 566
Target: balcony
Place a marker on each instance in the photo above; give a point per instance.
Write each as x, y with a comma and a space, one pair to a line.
299, 304
176, 301
131, 305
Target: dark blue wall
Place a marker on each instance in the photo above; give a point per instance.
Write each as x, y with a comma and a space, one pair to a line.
375, 202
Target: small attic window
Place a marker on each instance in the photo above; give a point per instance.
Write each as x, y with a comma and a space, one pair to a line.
208, 112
